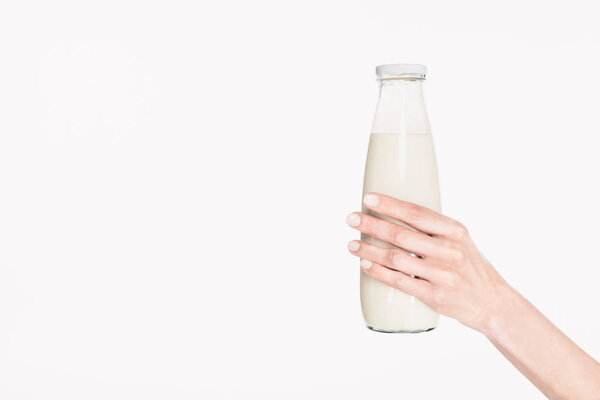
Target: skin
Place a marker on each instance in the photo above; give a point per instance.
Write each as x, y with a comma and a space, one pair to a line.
459, 282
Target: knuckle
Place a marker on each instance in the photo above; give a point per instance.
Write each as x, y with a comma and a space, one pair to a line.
415, 213
376, 273
396, 258
448, 243
400, 280
459, 255
460, 231
400, 235
371, 223
365, 221
455, 252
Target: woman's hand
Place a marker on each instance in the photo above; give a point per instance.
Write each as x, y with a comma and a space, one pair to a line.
458, 281
455, 278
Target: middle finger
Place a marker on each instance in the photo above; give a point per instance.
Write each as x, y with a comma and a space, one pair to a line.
413, 241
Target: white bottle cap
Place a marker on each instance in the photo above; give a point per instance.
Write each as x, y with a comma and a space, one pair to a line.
401, 69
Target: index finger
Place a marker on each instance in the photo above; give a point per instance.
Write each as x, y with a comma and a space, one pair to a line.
422, 218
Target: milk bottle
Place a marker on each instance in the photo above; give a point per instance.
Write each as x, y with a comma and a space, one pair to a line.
400, 163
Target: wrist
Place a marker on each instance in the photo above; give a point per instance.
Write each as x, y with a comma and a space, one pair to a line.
506, 306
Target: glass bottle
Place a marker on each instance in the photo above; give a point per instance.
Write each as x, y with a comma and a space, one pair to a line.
400, 163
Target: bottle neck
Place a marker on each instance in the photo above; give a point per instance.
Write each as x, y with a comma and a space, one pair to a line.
401, 107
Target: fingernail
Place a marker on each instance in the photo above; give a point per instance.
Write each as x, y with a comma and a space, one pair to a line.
353, 219
366, 264
353, 245
371, 200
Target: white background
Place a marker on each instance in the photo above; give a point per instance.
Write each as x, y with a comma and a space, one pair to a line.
175, 176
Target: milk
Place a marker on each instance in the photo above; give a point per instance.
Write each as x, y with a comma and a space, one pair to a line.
401, 165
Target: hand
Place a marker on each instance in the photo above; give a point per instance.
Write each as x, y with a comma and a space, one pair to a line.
454, 278
450, 275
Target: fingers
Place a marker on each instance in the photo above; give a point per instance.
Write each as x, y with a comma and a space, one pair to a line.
422, 218
392, 258
398, 235
411, 286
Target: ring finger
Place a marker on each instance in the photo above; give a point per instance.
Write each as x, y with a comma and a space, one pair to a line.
392, 258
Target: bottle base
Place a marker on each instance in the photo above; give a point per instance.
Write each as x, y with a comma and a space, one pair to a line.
401, 331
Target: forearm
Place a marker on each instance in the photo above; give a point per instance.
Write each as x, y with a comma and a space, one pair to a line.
544, 354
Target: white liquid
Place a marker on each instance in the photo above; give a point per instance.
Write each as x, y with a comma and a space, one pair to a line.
402, 166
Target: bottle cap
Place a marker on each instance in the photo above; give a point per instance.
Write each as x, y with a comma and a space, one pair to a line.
401, 69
